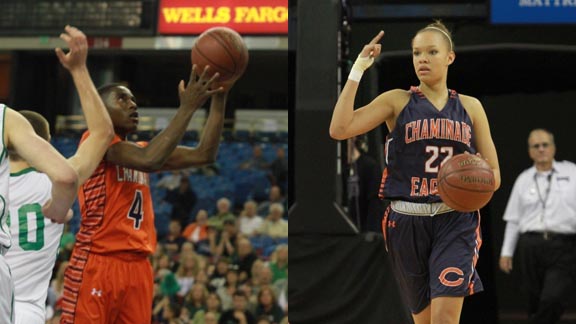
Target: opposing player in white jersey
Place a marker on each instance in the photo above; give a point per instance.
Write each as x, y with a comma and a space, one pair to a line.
18, 136
35, 239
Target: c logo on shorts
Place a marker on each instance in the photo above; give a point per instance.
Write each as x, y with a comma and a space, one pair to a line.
451, 283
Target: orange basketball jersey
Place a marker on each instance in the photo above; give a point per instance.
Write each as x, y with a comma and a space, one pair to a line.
116, 207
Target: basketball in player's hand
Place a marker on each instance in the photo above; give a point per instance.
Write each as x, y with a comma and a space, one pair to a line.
466, 182
224, 50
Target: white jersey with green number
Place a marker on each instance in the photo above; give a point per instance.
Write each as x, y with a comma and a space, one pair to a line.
35, 239
6, 284
4, 180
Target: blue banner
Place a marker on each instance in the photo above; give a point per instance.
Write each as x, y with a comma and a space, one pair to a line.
533, 11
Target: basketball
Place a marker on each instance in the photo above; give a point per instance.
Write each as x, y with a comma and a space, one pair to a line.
224, 50
466, 182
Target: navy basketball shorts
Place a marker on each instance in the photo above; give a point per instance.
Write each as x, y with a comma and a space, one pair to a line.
433, 256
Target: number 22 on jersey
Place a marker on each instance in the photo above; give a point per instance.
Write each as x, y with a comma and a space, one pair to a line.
429, 186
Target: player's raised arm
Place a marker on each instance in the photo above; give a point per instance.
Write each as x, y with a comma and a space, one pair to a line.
91, 151
347, 122
152, 157
207, 149
20, 137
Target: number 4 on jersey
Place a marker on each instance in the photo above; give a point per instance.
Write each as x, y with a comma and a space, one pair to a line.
136, 212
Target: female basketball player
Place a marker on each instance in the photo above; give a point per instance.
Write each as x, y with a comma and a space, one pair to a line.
433, 249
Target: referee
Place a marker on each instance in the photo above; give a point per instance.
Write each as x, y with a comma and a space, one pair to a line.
541, 227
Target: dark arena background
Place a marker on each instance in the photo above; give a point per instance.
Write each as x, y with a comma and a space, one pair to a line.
517, 57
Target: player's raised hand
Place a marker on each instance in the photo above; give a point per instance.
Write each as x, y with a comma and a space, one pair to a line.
366, 57
78, 48
373, 49
198, 89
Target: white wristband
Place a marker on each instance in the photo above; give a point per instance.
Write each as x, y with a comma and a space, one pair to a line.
355, 75
360, 65
363, 63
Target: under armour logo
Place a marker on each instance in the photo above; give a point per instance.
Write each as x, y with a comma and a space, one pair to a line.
391, 223
96, 292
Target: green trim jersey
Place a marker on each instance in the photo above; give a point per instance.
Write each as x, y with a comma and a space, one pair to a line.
4, 181
6, 284
35, 239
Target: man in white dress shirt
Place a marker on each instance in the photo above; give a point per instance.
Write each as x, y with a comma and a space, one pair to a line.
541, 227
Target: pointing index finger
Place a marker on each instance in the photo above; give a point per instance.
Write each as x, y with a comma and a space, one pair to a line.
377, 39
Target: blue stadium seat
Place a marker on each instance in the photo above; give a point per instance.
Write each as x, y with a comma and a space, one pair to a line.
242, 191
260, 186
268, 250
269, 152
281, 240
162, 212
260, 243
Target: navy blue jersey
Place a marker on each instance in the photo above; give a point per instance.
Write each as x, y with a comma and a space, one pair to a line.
422, 138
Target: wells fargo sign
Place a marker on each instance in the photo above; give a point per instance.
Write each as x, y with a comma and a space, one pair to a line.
244, 16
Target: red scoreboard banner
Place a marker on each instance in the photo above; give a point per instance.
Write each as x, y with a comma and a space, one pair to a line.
185, 17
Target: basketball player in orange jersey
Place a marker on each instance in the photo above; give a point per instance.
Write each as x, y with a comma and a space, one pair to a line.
433, 249
109, 278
